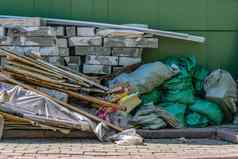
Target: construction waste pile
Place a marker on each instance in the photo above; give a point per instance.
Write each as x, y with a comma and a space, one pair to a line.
64, 75
179, 93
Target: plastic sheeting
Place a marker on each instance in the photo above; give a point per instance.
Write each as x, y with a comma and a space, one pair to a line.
146, 77
45, 112
127, 137
42, 110
221, 88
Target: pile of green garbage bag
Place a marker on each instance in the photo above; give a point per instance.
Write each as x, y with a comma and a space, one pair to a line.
180, 88
183, 96
153, 96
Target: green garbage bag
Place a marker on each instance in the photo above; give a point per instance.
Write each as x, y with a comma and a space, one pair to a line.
177, 110
187, 63
184, 96
153, 96
179, 89
209, 109
199, 74
195, 120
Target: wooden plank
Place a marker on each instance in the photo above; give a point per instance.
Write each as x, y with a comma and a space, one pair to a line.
103, 51
31, 31
85, 41
34, 22
43, 51
86, 31
131, 42
130, 52
101, 60
29, 41
97, 69
126, 61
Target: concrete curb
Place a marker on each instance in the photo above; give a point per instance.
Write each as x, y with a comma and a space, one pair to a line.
227, 135
213, 133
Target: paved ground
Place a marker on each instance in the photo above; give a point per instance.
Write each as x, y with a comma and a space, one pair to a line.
89, 149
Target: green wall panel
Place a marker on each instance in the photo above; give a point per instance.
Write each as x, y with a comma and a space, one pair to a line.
82, 9
61, 8
217, 20
222, 50
100, 10
17, 7
183, 14
42, 8
222, 14
133, 11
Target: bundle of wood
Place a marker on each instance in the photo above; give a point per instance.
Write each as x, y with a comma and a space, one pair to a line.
30, 72
36, 72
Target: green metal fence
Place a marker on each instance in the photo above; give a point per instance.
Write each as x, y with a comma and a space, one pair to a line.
217, 20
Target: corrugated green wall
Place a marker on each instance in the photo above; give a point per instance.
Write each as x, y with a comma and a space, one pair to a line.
217, 20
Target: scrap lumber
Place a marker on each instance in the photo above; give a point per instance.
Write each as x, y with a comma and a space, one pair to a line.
90, 99
24, 122
82, 50
101, 60
85, 41
27, 67
86, 31
44, 81
42, 31
38, 63
34, 22
94, 118
74, 76
31, 74
131, 43
23, 59
120, 33
14, 119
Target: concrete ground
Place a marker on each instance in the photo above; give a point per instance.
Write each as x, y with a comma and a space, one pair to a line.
89, 149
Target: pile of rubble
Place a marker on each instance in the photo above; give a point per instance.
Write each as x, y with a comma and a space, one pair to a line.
52, 69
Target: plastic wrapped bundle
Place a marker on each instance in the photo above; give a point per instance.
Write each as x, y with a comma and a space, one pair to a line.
146, 77
221, 88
